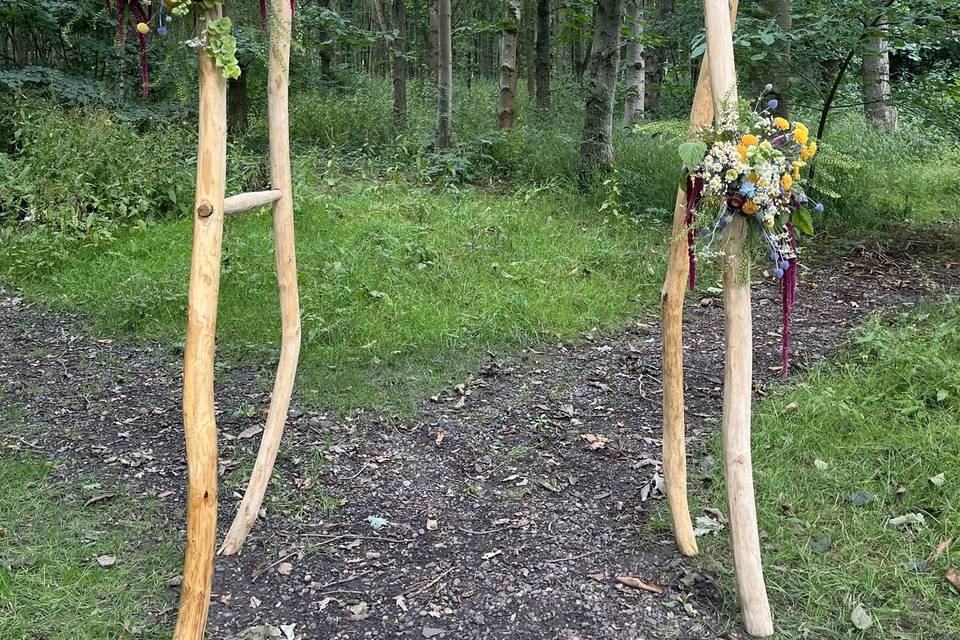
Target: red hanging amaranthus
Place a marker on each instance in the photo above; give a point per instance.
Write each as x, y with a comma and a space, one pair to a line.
788, 299
694, 191
134, 8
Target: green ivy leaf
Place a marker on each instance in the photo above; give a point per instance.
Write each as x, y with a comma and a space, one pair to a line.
803, 220
692, 153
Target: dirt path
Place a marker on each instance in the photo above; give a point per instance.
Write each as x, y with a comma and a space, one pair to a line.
497, 519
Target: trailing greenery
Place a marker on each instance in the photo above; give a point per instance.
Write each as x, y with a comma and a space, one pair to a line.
855, 469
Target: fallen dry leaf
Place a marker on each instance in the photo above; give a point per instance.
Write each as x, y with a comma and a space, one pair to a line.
249, 432
939, 550
284, 568
595, 441
637, 583
255, 602
953, 578
441, 432
790, 407
432, 524
106, 561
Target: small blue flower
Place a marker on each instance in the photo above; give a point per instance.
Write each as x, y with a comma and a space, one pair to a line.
748, 188
785, 264
778, 273
773, 104
161, 31
819, 208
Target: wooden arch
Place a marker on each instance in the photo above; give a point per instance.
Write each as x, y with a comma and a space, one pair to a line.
199, 420
716, 91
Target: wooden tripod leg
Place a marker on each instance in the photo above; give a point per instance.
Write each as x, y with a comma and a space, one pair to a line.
738, 360
199, 423
286, 263
671, 324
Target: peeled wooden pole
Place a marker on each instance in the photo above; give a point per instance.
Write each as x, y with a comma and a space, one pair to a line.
277, 97
738, 360
199, 423
671, 326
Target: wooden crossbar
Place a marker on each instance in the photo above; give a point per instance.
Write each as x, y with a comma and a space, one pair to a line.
250, 200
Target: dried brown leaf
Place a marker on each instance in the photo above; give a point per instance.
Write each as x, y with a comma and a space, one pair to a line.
637, 583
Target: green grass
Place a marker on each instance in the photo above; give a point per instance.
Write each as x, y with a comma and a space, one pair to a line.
61, 592
402, 289
885, 415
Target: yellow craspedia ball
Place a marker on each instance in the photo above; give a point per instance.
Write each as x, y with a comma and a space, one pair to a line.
742, 150
749, 139
800, 133
750, 207
786, 181
143, 28
781, 123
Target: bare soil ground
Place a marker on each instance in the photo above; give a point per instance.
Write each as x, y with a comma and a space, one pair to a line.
505, 508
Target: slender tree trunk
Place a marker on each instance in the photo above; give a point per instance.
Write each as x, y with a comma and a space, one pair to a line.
434, 41
656, 62
530, 44
596, 147
237, 103
636, 73
399, 66
508, 66
876, 82
779, 76
543, 55
445, 75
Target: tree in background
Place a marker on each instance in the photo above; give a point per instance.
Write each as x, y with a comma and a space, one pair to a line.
633, 106
543, 55
507, 114
656, 59
596, 145
876, 80
779, 71
399, 66
444, 75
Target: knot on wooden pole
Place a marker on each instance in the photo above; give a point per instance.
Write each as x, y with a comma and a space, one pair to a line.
205, 209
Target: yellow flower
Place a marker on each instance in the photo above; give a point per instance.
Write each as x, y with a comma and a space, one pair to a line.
786, 181
143, 28
800, 133
732, 175
812, 149
742, 150
797, 165
749, 139
750, 207
781, 124
753, 177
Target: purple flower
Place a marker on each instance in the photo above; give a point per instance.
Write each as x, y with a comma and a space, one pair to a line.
161, 31
773, 104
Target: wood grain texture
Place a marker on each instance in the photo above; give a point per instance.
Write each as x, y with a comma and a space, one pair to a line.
671, 323
199, 423
286, 265
738, 356
251, 200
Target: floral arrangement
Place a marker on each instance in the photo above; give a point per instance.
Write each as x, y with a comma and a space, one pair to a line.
754, 170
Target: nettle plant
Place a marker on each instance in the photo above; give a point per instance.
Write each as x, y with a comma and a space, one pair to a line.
144, 17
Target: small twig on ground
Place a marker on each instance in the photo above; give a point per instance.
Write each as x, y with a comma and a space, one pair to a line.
429, 584
346, 580
355, 537
569, 558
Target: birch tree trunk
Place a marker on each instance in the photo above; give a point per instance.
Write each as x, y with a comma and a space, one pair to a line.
543, 55
445, 75
508, 66
655, 62
876, 82
434, 41
636, 71
596, 146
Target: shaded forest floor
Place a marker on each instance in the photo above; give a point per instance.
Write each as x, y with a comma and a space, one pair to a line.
505, 507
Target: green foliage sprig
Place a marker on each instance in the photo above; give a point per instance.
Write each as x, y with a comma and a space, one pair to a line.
221, 46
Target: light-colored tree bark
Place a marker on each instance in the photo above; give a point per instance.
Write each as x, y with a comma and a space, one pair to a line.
434, 33
596, 145
655, 61
738, 354
445, 75
507, 114
876, 82
286, 265
635, 70
671, 323
543, 55
199, 420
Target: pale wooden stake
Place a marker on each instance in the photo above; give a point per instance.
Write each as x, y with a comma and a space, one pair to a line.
199, 423
277, 96
738, 359
250, 200
671, 323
